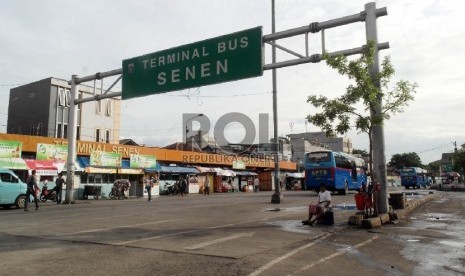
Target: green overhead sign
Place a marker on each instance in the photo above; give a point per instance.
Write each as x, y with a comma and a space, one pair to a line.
221, 59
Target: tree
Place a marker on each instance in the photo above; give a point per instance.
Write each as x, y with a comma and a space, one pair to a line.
459, 160
410, 159
363, 153
355, 107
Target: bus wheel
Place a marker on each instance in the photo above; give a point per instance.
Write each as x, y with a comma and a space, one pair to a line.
346, 189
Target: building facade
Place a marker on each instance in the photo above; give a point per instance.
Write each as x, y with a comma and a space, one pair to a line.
41, 109
341, 144
315, 141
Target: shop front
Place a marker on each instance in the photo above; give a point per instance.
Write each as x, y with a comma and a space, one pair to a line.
170, 175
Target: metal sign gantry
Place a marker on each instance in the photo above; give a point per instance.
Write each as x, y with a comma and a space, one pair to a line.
369, 16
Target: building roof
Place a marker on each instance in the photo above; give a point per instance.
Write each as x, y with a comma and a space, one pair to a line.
128, 142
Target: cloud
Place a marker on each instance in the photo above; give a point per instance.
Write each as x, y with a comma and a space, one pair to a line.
83, 38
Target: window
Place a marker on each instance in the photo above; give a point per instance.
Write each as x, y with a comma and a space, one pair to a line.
65, 131
78, 132
84, 178
98, 107
109, 107
97, 135
67, 97
107, 136
61, 97
5, 177
59, 131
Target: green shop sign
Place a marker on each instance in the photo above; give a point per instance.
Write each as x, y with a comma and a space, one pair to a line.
52, 152
10, 149
105, 159
225, 58
142, 161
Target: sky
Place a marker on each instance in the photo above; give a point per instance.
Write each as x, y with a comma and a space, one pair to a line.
52, 38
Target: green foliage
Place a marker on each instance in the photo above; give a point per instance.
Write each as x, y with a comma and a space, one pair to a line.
363, 153
459, 160
359, 106
410, 159
339, 115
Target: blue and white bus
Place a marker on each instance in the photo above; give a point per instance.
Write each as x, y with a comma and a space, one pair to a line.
339, 171
414, 177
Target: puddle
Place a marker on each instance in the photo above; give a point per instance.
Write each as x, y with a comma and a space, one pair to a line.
345, 206
293, 226
432, 256
453, 244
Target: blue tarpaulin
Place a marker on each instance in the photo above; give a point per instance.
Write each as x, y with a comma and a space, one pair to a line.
173, 169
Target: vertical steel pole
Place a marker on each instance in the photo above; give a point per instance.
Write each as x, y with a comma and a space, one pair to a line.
379, 158
72, 123
277, 196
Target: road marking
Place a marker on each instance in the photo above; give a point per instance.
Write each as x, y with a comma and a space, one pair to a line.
205, 244
117, 227
343, 251
187, 232
277, 260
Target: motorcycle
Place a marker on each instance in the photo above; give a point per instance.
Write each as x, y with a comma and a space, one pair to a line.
47, 194
118, 189
171, 189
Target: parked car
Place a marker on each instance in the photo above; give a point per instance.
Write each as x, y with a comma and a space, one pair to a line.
12, 190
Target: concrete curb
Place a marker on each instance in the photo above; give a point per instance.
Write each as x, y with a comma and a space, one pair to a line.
398, 213
415, 204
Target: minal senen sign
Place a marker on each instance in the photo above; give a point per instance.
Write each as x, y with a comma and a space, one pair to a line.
225, 58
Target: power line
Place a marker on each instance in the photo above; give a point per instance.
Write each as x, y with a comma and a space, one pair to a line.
435, 148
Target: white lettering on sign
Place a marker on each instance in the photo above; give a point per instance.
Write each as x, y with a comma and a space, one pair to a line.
193, 72
231, 45
190, 73
173, 58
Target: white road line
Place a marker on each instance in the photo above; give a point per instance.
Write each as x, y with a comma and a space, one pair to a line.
205, 244
277, 260
187, 232
116, 227
79, 220
335, 254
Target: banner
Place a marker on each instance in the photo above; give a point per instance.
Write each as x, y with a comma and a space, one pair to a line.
10, 149
52, 152
105, 159
13, 163
142, 161
238, 164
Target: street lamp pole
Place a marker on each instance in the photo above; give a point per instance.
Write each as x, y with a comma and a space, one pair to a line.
187, 130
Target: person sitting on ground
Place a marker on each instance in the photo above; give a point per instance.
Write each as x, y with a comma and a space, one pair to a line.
324, 200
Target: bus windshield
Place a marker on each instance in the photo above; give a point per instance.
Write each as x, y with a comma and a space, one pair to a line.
318, 157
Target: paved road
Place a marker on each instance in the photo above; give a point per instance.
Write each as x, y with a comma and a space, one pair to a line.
228, 234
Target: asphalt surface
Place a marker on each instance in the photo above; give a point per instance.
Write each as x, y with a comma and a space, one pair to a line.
228, 234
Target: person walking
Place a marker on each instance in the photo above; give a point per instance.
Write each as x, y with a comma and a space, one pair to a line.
256, 184
59, 187
32, 187
206, 186
182, 187
148, 186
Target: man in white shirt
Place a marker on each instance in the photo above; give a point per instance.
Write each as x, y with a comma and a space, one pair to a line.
324, 200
